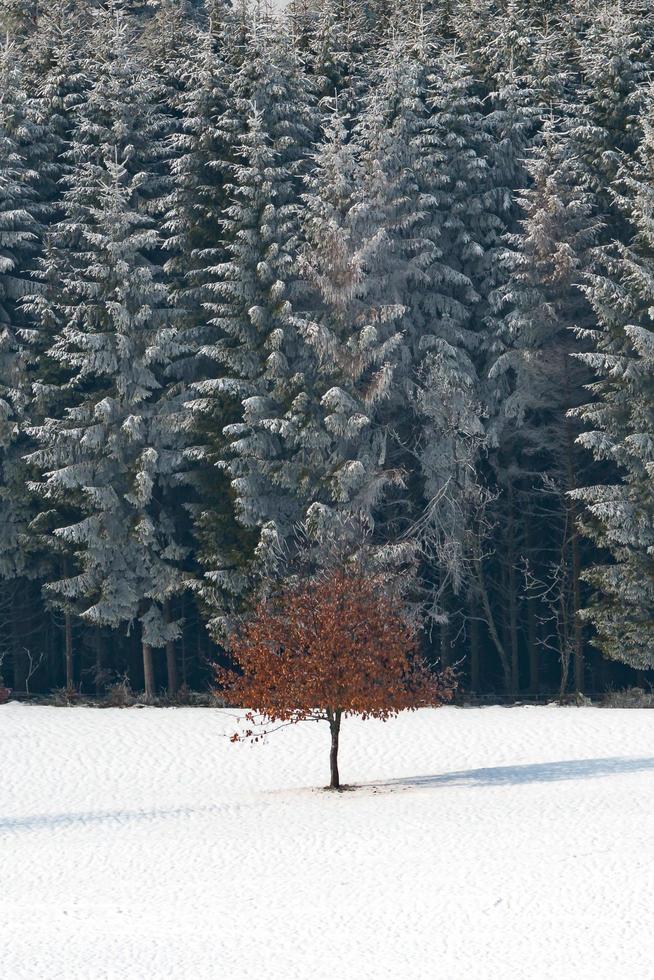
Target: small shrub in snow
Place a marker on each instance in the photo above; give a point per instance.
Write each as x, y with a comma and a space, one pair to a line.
629, 697
64, 697
120, 694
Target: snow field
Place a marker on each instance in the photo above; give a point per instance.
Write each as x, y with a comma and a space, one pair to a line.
479, 844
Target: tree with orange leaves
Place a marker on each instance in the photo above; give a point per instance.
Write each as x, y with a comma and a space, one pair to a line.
326, 648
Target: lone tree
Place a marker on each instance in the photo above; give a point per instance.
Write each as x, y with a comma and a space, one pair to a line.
327, 648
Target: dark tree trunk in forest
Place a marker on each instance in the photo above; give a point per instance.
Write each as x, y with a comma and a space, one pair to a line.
578, 650
532, 621
475, 665
70, 669
184, 671
579, 665
513, 599
446, 649
171, 668
171, 658
99, 662
148, 672
20, 663
18, 653
490, 618
186, 613
68, 638
534, 653
335, 729
50, 646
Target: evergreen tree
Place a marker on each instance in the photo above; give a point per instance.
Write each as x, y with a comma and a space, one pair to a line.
351, 251
58, 80
334, 40
115, 448
202, 153
342, 430
619, 516
247, 288
20, 233
613, 57
537, 377
19, 237
249, 312
426, 162
18, 18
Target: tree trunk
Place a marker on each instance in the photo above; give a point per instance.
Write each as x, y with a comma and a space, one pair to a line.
579, 665
578, 643
513, 598
99, 660
335, 728
185, 613
171, 658
148, 672
18, 655
446, 649
50, 646
68, 630
490, 619
532, 620
68, 637
534, 653
475, 666
171, 668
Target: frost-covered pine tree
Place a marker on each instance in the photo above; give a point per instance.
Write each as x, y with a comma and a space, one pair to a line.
334, 39
495, 44
542, 301
425, 159
504, 53
122, 107
254, 353
613, 57
202, 151
114, 450
58, 79
247, 287
19, 239
271, 79
18, 19
537, 377
168, 38
619, 513
342, 429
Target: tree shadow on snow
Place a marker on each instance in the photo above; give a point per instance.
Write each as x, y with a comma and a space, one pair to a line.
537, 772
117, 818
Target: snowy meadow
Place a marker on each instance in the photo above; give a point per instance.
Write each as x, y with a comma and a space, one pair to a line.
327, 389
474, 843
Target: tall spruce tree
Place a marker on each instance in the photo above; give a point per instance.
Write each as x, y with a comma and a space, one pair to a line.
538, 377
248, 289
202, 151
619, 513
249, 309
19, 241
612, 63
350, 324
425, 160
114, 449
57, 80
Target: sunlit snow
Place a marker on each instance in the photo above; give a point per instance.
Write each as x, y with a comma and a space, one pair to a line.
478, 843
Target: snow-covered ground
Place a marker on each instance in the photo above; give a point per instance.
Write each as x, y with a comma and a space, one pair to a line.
480, 843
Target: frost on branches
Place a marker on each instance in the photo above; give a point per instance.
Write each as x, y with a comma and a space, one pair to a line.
327, 648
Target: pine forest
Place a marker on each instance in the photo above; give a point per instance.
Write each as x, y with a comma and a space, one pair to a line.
349, 283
